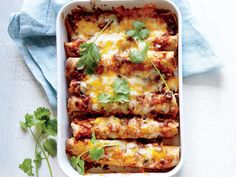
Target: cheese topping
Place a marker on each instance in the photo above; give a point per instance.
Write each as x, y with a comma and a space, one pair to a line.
113, 40
98, 84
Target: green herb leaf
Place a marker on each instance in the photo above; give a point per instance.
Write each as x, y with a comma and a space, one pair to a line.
42, 113
121, 89
139, 32
122, 98
27, 167
90, 54
120, 86
136, 56
143, 34
43, 127
77, 164
144, 47
23, 125
138, 25
50, 127
131, 33
93, 139
50, 145
104, 98
73, 162
96, 153
38, 159
31, 121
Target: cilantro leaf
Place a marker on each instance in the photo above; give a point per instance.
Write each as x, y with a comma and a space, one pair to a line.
138, 25
136, 56
93, 139
104, 98
143, 34
73, 162
139, 32
27, 167
77, 164
120, 86
31, 121
38, 159
131, 33
96, 153
23, 125
122, 98
50, 145
95, 53
90, 54
121, 89
42, 113
50, 127
144, 49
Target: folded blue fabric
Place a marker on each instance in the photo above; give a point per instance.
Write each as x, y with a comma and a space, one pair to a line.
33, 30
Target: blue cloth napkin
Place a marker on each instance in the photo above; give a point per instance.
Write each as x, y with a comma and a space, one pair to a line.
33, 31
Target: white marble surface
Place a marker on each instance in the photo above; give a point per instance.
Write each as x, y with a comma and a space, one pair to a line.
209, 100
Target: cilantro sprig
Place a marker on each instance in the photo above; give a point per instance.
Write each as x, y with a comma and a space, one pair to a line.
121, 90
45, 127
139, 33
95, 153
90, 54
139, 55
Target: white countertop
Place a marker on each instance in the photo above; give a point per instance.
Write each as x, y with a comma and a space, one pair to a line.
209, 100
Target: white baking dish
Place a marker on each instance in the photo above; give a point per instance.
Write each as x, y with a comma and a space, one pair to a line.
63, 121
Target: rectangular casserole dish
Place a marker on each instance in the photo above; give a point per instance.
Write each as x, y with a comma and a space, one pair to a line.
63, 120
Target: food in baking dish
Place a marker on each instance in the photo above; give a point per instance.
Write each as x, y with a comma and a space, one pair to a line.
121, 69
126, 128
131, 154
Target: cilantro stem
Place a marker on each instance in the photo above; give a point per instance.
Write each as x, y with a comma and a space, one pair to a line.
44, 153
35, 153
98, 36
158, 71
102, 30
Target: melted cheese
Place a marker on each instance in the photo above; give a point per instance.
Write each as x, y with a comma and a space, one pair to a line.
98, 84
113, 40
86, 28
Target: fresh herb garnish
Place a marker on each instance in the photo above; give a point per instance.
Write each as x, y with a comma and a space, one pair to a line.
121, 98
90, 54
139, 32
139, 55
95, 153
104, 98
45, 128
121, 89
78, 164
121, 92
120, 86
27, 167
